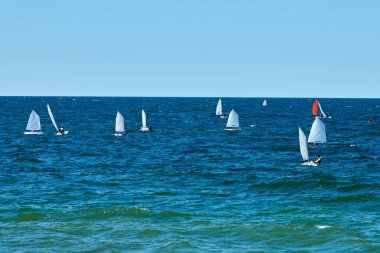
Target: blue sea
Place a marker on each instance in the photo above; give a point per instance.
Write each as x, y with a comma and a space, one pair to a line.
188, 185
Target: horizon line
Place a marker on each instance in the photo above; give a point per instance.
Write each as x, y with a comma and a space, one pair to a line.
262, 97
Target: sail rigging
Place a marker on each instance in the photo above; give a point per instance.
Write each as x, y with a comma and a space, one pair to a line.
52, 117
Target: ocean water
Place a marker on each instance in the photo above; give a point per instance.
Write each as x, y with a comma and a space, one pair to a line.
188, 186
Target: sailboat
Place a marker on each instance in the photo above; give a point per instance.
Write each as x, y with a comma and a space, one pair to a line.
119, 125
233, 121
59, 131
219, 110
315, 107
34, 124
265, 103
144, 128
304, 150
317, 132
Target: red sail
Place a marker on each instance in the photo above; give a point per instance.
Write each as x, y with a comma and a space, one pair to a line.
315, 108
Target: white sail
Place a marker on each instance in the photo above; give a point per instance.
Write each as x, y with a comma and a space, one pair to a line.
317, 132
265, 103
233, 120
119, 125
320, 108
52, 117
219, 110
303, 145
34, 123
143, 114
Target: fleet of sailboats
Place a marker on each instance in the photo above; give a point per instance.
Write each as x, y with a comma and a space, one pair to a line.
317, 133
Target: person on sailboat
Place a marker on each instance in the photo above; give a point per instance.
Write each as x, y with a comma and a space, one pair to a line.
125, 132
61, 130
150, 128
319, 160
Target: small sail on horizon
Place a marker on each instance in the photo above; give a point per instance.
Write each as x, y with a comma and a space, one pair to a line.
34, 124
143, 116
303, 145
144, 128
233, 120
320, 108
265, 103
219, 109
52, 117
119, 123
317, 132
315, 107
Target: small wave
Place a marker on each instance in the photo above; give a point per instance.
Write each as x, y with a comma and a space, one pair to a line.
353, 145
252, 125
323, 226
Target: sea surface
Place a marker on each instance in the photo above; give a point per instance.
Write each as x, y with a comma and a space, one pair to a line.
189, 185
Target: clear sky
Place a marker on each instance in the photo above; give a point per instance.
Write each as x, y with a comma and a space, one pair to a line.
243, 48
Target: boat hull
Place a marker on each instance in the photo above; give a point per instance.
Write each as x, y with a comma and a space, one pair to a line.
309, 164
232, 128
33, 133
66, 132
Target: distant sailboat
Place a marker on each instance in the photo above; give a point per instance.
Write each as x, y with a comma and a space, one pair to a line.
317, 132
60, 131
233, 121
119, 125
219, 110
34, 124
144, 128
315, 107
265, 103
304, 150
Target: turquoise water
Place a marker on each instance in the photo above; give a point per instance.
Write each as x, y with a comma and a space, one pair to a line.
188, 186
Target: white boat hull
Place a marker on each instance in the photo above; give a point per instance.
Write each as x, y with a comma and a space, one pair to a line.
144, 129
309, 164
223, 117
32, 133
118, 135
232, 129
66, 132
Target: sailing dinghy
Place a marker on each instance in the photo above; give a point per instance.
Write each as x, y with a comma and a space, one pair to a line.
219, 110
119, 125
304, 150
317, 132
233, 122
265, 103
315, 107
144, 128
59, 131
34, 124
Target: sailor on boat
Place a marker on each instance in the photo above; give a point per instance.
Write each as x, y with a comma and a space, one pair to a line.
125, 132
61, 130
150, 128
319, 160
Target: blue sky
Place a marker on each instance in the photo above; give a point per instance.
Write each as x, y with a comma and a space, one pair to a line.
216, 48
